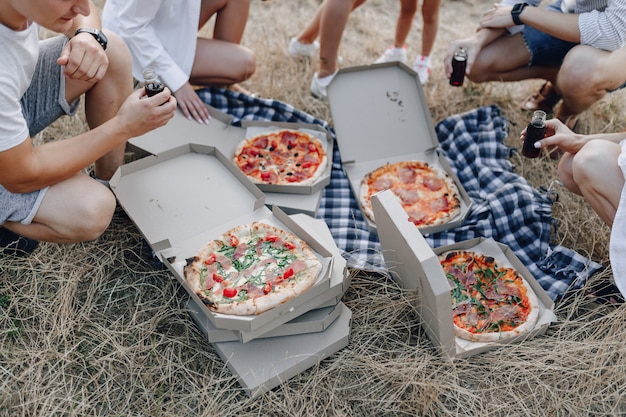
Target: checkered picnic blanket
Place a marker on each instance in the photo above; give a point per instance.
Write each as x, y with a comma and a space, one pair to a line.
505, 206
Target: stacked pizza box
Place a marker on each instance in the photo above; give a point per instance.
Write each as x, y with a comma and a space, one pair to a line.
185, 192
381, 117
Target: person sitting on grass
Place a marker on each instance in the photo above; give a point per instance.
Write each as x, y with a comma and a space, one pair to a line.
430, 19
163, 35
577, 46
594, 166
44, 195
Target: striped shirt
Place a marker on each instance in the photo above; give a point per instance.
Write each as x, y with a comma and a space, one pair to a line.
602, 23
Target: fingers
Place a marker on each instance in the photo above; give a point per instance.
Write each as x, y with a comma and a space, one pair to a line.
195, 110
83, 61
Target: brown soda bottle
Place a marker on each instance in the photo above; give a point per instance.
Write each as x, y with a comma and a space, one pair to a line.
535, 131
459, 63
153, 84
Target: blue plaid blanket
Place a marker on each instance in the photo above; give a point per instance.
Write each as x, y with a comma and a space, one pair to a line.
505, 206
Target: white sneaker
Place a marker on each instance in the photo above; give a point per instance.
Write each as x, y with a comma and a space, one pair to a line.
393, 54
296, 48
318, 86
422, 67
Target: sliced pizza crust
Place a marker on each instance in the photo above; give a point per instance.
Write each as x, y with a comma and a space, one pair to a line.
251, 269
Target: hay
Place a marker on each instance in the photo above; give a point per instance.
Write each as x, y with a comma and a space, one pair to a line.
94, 329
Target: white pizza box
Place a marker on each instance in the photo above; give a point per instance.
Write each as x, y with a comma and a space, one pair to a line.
381, 116
220, 133
414, 264
251, 128
312, 321
340, 280
181, 131
184, 197
263, 364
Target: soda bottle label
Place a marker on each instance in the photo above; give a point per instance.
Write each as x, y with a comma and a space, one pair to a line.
459, 64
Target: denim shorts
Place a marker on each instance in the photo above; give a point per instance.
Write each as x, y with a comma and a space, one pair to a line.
42, 103
546, 50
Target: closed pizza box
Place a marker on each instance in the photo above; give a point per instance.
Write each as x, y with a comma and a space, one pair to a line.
381, 116
311, 321
264, 364
414, 264
304, 313
219, 132
186, 196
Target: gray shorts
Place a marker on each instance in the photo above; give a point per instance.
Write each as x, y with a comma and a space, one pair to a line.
42, 104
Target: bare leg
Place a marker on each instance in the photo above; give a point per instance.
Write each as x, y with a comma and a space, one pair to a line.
408, 8
490, 66
593, 173
585, 77
221, 60
430, 19
230, 20
103, 99
75, 210
332, 23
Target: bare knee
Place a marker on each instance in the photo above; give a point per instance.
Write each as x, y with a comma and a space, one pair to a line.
94, 216
578, 74
247, 65
589, 165
120, 60
566, 175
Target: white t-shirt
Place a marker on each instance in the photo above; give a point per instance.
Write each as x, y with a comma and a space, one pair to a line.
161, 34
19, 52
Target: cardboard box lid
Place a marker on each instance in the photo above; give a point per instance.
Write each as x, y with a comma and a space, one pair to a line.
181, 131
416, 266
264, 364
173, 196
374, 106
219, 133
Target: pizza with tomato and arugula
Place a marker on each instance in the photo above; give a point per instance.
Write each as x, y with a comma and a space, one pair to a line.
490, 300
251, 269
427, 194
282, 157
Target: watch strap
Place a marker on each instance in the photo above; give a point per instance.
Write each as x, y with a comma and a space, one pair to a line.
96, 33
516, 11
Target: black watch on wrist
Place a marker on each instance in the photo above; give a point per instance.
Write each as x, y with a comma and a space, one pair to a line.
97, 34
516, 11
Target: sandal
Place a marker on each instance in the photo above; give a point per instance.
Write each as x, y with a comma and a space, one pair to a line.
545, 99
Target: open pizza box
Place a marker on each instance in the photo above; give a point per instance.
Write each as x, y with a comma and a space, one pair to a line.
311, 316
185, 197
250, 128
222, 134
415, 265
381, 116
271, 359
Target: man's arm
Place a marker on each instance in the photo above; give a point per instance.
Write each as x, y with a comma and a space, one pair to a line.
27, 168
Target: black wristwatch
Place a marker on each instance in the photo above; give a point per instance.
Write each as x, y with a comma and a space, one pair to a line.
97, 34
516, 11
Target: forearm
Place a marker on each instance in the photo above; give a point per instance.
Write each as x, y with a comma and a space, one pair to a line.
559, 25
50, 163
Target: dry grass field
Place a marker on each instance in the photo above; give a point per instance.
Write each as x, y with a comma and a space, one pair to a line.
93, 329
